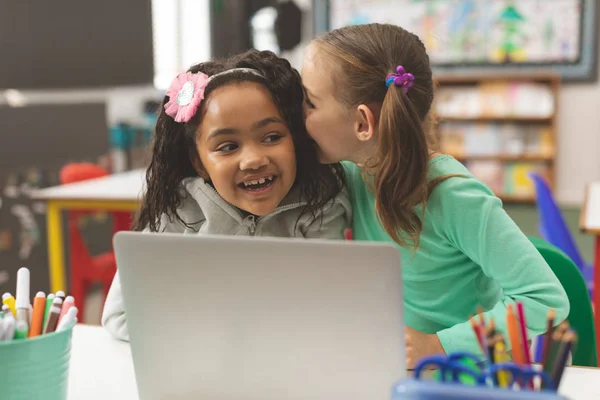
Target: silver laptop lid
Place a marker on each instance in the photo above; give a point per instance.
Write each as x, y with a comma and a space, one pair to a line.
223, 318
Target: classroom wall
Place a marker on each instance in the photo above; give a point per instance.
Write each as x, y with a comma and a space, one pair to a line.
578, 140
578, 126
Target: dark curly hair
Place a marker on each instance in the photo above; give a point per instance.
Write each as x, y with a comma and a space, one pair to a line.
174, 151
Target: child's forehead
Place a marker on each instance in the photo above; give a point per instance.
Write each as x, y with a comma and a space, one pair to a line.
238, 107
237, 95
317, 72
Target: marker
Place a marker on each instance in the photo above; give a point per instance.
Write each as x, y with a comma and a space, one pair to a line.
37, 316
67, 304
68, 318
53, 317
21, 329
61, 295
49, 301
22, 302
9, 327
9, 300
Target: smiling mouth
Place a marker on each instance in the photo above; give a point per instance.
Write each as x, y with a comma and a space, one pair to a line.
258, 184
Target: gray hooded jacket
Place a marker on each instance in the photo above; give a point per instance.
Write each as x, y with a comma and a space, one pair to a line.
206, 212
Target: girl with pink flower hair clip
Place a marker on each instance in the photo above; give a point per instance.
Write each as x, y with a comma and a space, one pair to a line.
231, 155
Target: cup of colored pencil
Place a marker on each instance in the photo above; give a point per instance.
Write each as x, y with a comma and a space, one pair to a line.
495, 347
35, 342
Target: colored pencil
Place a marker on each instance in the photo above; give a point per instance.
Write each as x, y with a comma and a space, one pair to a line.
548, 335
478, 334
480, 312
501, 356
524, 338
513, 335
563, 354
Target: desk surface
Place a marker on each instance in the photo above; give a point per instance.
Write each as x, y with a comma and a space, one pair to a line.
590, 214
101, 368
125, 186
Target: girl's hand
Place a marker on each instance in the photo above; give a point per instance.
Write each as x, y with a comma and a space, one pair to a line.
419, 345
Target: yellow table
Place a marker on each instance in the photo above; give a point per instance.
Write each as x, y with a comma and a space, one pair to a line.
117, 192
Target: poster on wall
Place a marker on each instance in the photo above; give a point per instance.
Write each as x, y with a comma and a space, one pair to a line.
461, 35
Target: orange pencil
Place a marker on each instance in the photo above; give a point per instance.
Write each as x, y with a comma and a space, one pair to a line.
524, 338
37, 316
513, 335
478, 334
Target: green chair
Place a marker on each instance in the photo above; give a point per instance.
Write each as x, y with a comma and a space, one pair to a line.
581, 316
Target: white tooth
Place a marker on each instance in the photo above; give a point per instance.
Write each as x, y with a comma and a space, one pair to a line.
255, 182
261, 180
246, 183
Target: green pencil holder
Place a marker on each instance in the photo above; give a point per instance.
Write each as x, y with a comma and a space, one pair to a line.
37, 368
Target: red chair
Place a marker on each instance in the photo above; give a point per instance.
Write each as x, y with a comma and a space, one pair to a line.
87, 269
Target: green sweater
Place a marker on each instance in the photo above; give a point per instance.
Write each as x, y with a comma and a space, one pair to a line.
470, 254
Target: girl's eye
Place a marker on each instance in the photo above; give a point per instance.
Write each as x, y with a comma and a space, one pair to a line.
309, 104
227, 147
273, 138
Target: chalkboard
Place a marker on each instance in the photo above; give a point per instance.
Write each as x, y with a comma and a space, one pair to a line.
75, 44
35, 142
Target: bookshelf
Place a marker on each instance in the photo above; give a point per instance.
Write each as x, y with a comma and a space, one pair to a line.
501, 126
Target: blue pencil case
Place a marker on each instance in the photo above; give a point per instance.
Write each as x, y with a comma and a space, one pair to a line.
414, 389
460, 376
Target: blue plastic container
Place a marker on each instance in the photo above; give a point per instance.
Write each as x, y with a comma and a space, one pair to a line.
413, 389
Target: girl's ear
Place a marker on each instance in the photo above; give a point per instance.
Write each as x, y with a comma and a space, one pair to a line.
364, 126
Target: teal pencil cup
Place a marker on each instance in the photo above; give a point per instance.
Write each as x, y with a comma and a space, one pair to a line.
37, 368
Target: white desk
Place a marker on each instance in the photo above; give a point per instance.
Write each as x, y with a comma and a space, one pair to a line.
101, 369
117, 192
124, 186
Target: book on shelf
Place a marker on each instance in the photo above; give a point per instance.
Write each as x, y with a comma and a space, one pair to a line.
496, 99
491, 139
489, 172
509, 180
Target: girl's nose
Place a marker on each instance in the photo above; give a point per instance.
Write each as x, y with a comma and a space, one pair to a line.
253, 159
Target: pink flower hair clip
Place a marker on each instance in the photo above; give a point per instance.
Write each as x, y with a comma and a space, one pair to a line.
185, 95
187, 92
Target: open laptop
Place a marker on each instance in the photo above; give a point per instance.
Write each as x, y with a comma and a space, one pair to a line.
241, 318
